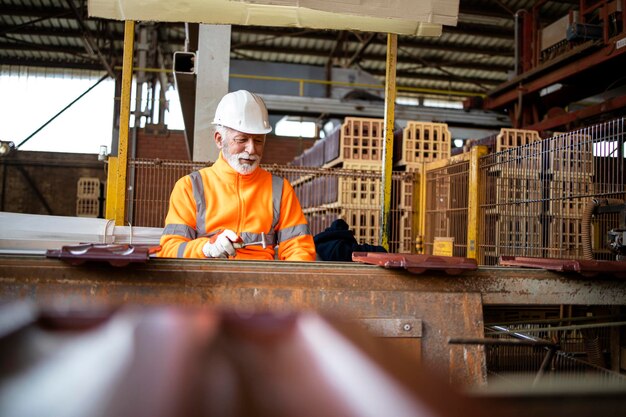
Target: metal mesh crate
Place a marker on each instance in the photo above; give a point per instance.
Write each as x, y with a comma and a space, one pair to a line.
571, 155
324, 194
447, 202
547, 185
574, 345
569, 195
565, 238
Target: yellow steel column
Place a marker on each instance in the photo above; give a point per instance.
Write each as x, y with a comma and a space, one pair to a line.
473, 204
390, 100
117, 177
422, 208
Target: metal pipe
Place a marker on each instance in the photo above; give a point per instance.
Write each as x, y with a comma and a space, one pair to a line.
516, 41
587, 216
547, 360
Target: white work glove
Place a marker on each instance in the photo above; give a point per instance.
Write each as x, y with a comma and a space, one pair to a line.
221, 245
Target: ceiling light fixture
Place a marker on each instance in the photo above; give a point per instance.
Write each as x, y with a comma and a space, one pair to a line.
6, 148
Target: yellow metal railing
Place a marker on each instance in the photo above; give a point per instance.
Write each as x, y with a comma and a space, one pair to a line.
304, 81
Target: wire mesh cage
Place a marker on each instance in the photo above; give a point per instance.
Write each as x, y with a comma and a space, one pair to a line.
325, 194
446, 209
535, 199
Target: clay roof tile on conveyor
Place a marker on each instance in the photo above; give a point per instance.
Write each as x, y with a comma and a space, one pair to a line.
417, 264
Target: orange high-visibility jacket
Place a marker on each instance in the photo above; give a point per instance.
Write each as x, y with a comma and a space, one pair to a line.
216, 198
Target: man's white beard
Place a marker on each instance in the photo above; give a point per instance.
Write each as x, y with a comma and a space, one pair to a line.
243, 169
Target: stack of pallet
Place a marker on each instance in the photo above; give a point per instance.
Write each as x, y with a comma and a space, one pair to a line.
420, 142
356, 145
88, 197
570, 171
516, 202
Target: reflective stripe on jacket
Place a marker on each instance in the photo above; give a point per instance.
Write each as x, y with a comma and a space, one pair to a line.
216, 198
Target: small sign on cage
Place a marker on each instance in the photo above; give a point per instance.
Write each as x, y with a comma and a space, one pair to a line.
443, 246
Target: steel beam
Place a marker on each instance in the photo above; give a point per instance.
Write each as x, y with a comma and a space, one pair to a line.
389, 123
191, 282
532, 82
608, 106
449, 306
360, 108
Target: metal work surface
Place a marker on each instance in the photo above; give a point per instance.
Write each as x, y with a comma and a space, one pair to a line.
448, 306
345, 290
195, 282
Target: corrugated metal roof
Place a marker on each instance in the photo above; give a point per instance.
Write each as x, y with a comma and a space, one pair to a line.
474, 56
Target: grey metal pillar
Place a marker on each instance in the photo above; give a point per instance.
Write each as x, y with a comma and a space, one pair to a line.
213, 68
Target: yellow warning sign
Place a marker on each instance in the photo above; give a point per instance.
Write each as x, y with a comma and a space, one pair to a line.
443, 246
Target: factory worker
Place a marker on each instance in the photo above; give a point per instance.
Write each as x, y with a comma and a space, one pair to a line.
235, 208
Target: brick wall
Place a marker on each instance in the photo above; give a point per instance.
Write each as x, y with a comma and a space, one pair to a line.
30, 181
168, 145
281, 150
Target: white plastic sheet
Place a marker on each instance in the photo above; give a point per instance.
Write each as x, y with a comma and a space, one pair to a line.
34, 233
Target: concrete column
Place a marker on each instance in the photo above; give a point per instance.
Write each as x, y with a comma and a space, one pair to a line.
213, 69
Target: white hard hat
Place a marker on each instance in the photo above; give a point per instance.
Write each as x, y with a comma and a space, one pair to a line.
243, 111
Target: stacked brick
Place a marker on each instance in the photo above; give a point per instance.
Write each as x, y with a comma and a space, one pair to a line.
516, 183
422, 142
417, 143
570, 172
356, 145
88, 197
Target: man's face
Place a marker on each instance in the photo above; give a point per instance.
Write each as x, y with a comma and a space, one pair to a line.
243, 151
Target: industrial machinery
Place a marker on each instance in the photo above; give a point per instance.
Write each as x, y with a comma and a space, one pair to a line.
616, 237
567, 72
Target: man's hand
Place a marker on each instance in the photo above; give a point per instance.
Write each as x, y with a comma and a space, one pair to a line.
221, 245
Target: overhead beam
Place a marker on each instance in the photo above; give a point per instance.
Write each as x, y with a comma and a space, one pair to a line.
90, 45
323, 54
403, 41
487, 31
19, 45
44, 63
116, 32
